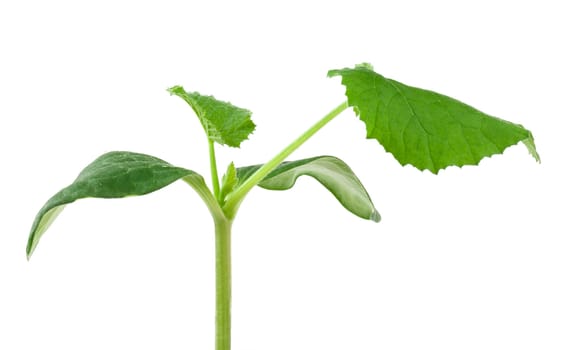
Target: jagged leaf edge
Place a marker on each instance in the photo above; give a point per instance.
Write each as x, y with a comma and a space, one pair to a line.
192, 99
528, 141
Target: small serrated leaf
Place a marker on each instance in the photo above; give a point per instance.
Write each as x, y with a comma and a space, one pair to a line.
330, 171
223, 123
424, 128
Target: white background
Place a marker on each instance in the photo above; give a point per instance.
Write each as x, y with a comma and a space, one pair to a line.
474, 258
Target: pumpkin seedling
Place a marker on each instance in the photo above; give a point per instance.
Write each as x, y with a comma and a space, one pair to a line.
419, 127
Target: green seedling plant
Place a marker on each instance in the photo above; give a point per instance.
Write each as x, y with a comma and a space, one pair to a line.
423, 128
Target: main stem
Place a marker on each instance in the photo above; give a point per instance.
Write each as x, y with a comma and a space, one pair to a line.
223, 283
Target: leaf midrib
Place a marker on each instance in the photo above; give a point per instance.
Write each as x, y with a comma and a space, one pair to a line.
416, 117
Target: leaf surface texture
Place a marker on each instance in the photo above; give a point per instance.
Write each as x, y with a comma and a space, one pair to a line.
423, 128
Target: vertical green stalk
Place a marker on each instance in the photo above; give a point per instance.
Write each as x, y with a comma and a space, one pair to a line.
223, 283
214, 173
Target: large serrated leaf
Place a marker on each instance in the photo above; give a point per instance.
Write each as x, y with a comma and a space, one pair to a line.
113, 175
423, 128
330, 171
224, 123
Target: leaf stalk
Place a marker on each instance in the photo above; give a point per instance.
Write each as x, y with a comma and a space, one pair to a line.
214, 173
234, 199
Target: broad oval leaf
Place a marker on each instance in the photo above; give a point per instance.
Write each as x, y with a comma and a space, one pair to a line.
113, 175
224, 123
423, 128
330, 171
